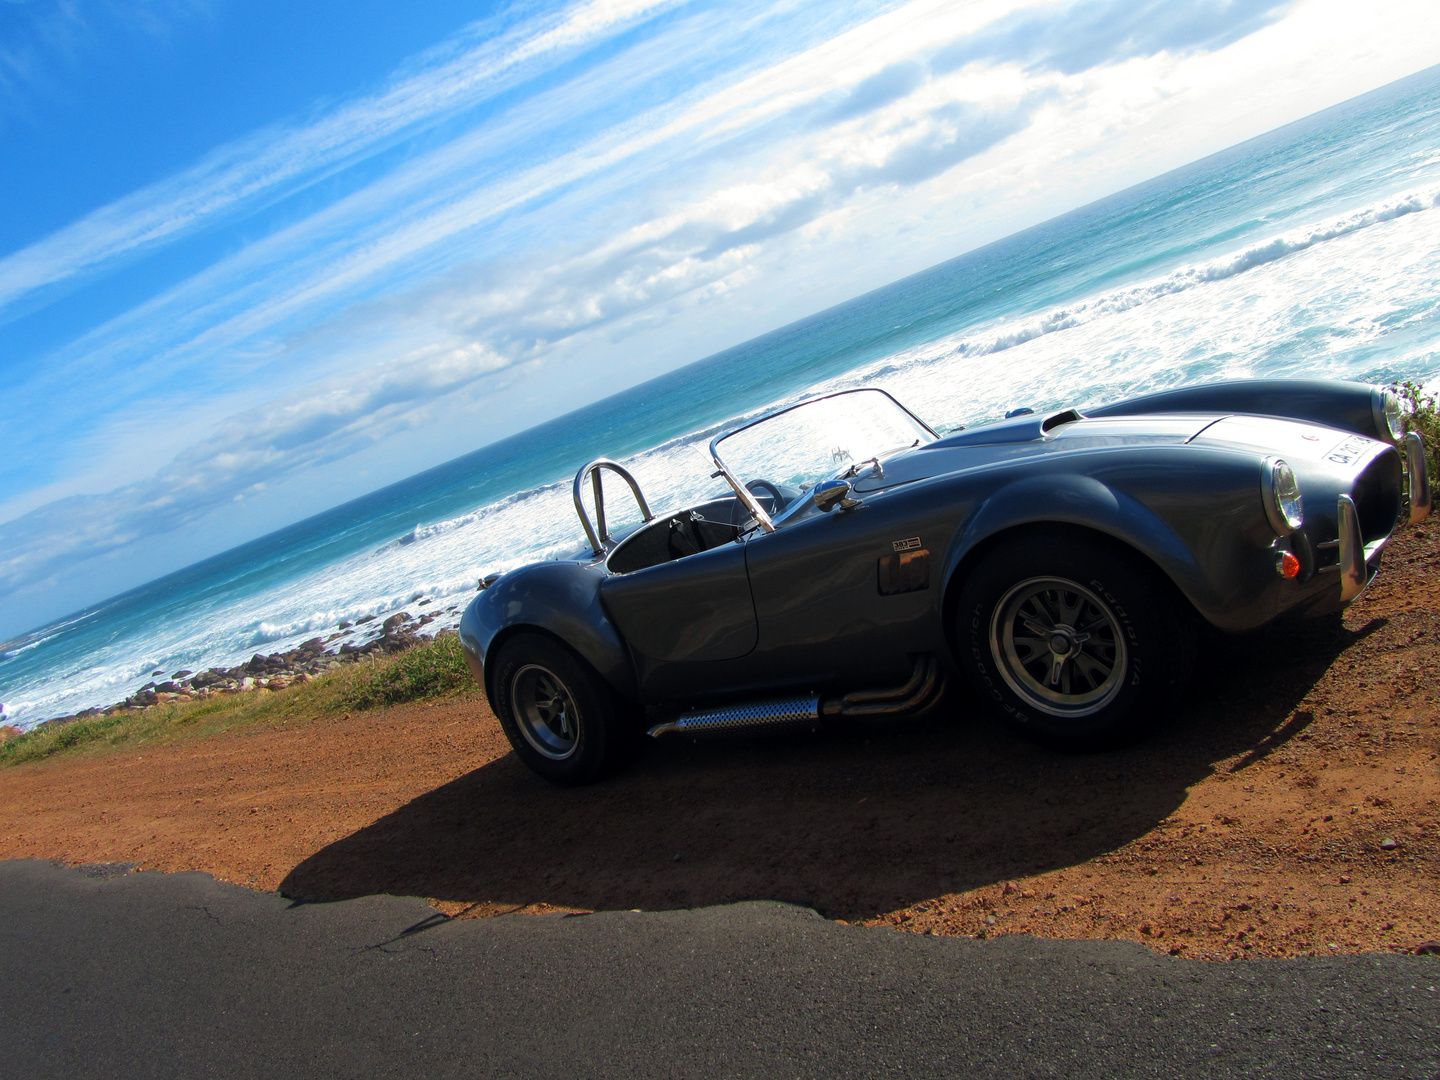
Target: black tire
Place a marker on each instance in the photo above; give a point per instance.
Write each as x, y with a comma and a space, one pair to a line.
562, 719
1079, 643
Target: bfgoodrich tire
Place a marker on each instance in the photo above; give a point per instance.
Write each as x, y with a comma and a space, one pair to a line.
1080, 644
561, 718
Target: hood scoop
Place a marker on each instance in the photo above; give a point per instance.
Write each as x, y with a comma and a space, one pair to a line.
1026, 428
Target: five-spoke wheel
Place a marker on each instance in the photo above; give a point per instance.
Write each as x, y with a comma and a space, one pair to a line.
544, 711
561, 717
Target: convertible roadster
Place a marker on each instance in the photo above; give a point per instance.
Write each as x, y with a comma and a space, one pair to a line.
1059, 561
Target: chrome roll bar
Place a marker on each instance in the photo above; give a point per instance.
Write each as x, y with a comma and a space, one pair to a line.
602, 541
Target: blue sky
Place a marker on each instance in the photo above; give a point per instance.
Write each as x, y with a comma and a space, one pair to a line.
261, 258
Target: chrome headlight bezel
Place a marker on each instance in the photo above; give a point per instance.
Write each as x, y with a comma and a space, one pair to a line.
1389, 415
1280, 488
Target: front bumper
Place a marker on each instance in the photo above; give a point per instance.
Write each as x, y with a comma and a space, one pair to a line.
1358, 561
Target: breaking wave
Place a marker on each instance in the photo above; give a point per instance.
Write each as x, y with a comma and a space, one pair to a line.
1190, 277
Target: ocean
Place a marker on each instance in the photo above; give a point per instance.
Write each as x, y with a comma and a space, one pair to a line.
1313, 250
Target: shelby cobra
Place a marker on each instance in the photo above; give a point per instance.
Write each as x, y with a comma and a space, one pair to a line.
1059, 561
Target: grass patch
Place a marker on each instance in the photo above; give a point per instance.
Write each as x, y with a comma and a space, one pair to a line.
429, 670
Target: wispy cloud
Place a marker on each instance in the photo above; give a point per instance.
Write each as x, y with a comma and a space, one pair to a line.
483, 62
43, 40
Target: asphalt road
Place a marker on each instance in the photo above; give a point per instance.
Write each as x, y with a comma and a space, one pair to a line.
111, 974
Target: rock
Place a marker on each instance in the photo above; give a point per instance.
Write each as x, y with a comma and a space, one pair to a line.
247, 683
426, 620
183, 673
398, 619
362, 622
1388, 844
9, 731
345, 624
167, 687
314, 645
1428, 948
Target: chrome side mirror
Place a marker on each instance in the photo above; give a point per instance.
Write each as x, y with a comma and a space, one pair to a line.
833, 493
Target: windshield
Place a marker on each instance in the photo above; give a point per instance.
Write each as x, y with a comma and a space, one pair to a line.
816, 440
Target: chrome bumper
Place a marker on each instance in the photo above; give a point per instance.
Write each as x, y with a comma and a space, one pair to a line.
1355, 554
1418, 478
1354, 558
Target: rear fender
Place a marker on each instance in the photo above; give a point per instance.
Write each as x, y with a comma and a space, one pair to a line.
563, 600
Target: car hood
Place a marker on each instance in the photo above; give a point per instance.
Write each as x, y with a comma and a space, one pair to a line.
1293, 440
1069, 431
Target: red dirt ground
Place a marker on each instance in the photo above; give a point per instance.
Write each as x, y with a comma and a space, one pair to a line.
1290, 806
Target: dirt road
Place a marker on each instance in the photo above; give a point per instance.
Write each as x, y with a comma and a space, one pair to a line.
1291, 806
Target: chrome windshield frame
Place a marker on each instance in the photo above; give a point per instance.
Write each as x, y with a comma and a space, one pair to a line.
746, 497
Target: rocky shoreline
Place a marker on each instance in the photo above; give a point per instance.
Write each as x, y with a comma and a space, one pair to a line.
273, 672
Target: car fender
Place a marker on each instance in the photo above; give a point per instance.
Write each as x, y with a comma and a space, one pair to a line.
559, 598
1073, 499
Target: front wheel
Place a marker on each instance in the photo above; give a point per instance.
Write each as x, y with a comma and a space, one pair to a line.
561, 718
1080, 644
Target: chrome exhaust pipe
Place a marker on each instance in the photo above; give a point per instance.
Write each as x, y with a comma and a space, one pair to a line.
924, 685
923, 688
794, 712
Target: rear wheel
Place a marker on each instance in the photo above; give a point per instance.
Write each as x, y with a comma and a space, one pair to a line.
561, 718
1080, 644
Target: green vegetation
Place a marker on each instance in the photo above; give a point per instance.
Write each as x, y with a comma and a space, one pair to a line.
1424, 418
429, 670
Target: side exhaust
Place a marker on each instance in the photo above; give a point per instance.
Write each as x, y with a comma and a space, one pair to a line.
925, 686
798, 712
922, 689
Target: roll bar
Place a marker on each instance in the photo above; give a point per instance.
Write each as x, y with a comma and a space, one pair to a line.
602, 541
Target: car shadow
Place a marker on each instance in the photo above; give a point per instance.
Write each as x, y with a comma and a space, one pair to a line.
852, 822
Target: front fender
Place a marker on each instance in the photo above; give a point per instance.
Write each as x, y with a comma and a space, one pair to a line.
1072, 499
560, 598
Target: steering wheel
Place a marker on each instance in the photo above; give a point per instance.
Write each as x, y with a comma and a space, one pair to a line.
777, 500
759, 487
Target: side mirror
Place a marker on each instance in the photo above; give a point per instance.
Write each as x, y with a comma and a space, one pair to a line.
833, 493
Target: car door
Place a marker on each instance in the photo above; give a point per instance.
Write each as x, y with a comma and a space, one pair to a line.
691, 613
850, 597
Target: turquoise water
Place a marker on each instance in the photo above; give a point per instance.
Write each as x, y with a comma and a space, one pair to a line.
1313, 250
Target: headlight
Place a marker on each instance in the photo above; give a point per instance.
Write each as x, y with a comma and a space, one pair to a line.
1283, 505
1389, 414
